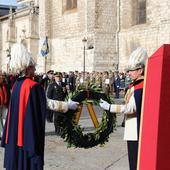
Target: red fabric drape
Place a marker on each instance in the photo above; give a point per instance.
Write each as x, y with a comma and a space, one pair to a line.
3, 95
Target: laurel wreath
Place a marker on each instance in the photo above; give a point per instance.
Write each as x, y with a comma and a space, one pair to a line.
73, 133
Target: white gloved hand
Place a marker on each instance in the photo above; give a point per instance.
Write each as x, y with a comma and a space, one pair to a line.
72, 105
44, 76
105, 105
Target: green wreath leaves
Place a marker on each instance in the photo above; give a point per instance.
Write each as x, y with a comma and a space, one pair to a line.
73, 133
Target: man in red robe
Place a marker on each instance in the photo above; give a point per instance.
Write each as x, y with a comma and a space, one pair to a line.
24, 132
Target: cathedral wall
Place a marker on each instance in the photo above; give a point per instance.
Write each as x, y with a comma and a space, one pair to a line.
105, 35
67, 23
94, 20
4, 59
150, 36
97, 21
19, 31
70, 58
67, 29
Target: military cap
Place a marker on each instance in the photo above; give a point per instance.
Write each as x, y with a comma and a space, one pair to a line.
50, 72
57, 74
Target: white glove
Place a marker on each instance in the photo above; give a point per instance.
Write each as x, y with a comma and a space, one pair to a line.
105, 105
72, 105
44, 76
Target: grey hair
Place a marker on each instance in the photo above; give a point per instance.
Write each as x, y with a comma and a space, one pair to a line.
20, 58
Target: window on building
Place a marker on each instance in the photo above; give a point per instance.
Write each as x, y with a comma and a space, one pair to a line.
71, 4
141, 12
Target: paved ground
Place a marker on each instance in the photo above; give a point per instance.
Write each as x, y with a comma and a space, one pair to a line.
112, 156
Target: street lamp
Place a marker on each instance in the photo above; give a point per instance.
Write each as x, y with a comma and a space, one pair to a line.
84, 40
8, 52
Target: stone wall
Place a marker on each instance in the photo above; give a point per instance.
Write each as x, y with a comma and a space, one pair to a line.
94, 20
21, 28
151, 35
5, 40
97, 21
105, 33
66, 36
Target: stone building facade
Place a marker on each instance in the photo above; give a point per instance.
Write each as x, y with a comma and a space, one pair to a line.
144, 23
67, 26
112, 28
21, 26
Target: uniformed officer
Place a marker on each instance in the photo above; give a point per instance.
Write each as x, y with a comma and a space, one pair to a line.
47, 79
105, 83
57, 91
132, 106
98, 79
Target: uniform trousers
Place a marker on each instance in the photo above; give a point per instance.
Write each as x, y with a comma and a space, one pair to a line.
3, 113
132, 154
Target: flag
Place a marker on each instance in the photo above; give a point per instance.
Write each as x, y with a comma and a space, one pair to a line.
45, 48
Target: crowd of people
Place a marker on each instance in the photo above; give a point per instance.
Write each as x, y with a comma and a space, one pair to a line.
110, 81
58, 84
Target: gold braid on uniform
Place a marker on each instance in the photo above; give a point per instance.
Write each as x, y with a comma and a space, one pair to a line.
118, 108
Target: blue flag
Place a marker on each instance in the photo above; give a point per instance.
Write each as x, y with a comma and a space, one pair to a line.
45, 48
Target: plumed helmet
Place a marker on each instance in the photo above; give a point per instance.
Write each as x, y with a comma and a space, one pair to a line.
137, 59
20, 58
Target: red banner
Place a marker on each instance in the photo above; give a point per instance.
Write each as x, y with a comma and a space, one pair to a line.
154, 147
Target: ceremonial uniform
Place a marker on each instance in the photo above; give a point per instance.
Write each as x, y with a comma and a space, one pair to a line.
78, 80
132, 111
71, 81
98, 80
23, 138
24, 131
105, 83
86, 81
57, 91
132, 106
92, 78
47, 79
117, 85
111, 81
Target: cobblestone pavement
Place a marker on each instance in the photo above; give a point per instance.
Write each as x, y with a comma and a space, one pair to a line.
111, 156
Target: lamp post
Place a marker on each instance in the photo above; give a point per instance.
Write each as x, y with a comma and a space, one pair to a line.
84, 40
8, 52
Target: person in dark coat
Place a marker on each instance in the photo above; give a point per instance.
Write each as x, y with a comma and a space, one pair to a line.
24, 131
47, 79
71, 81
57, 91
117, 84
